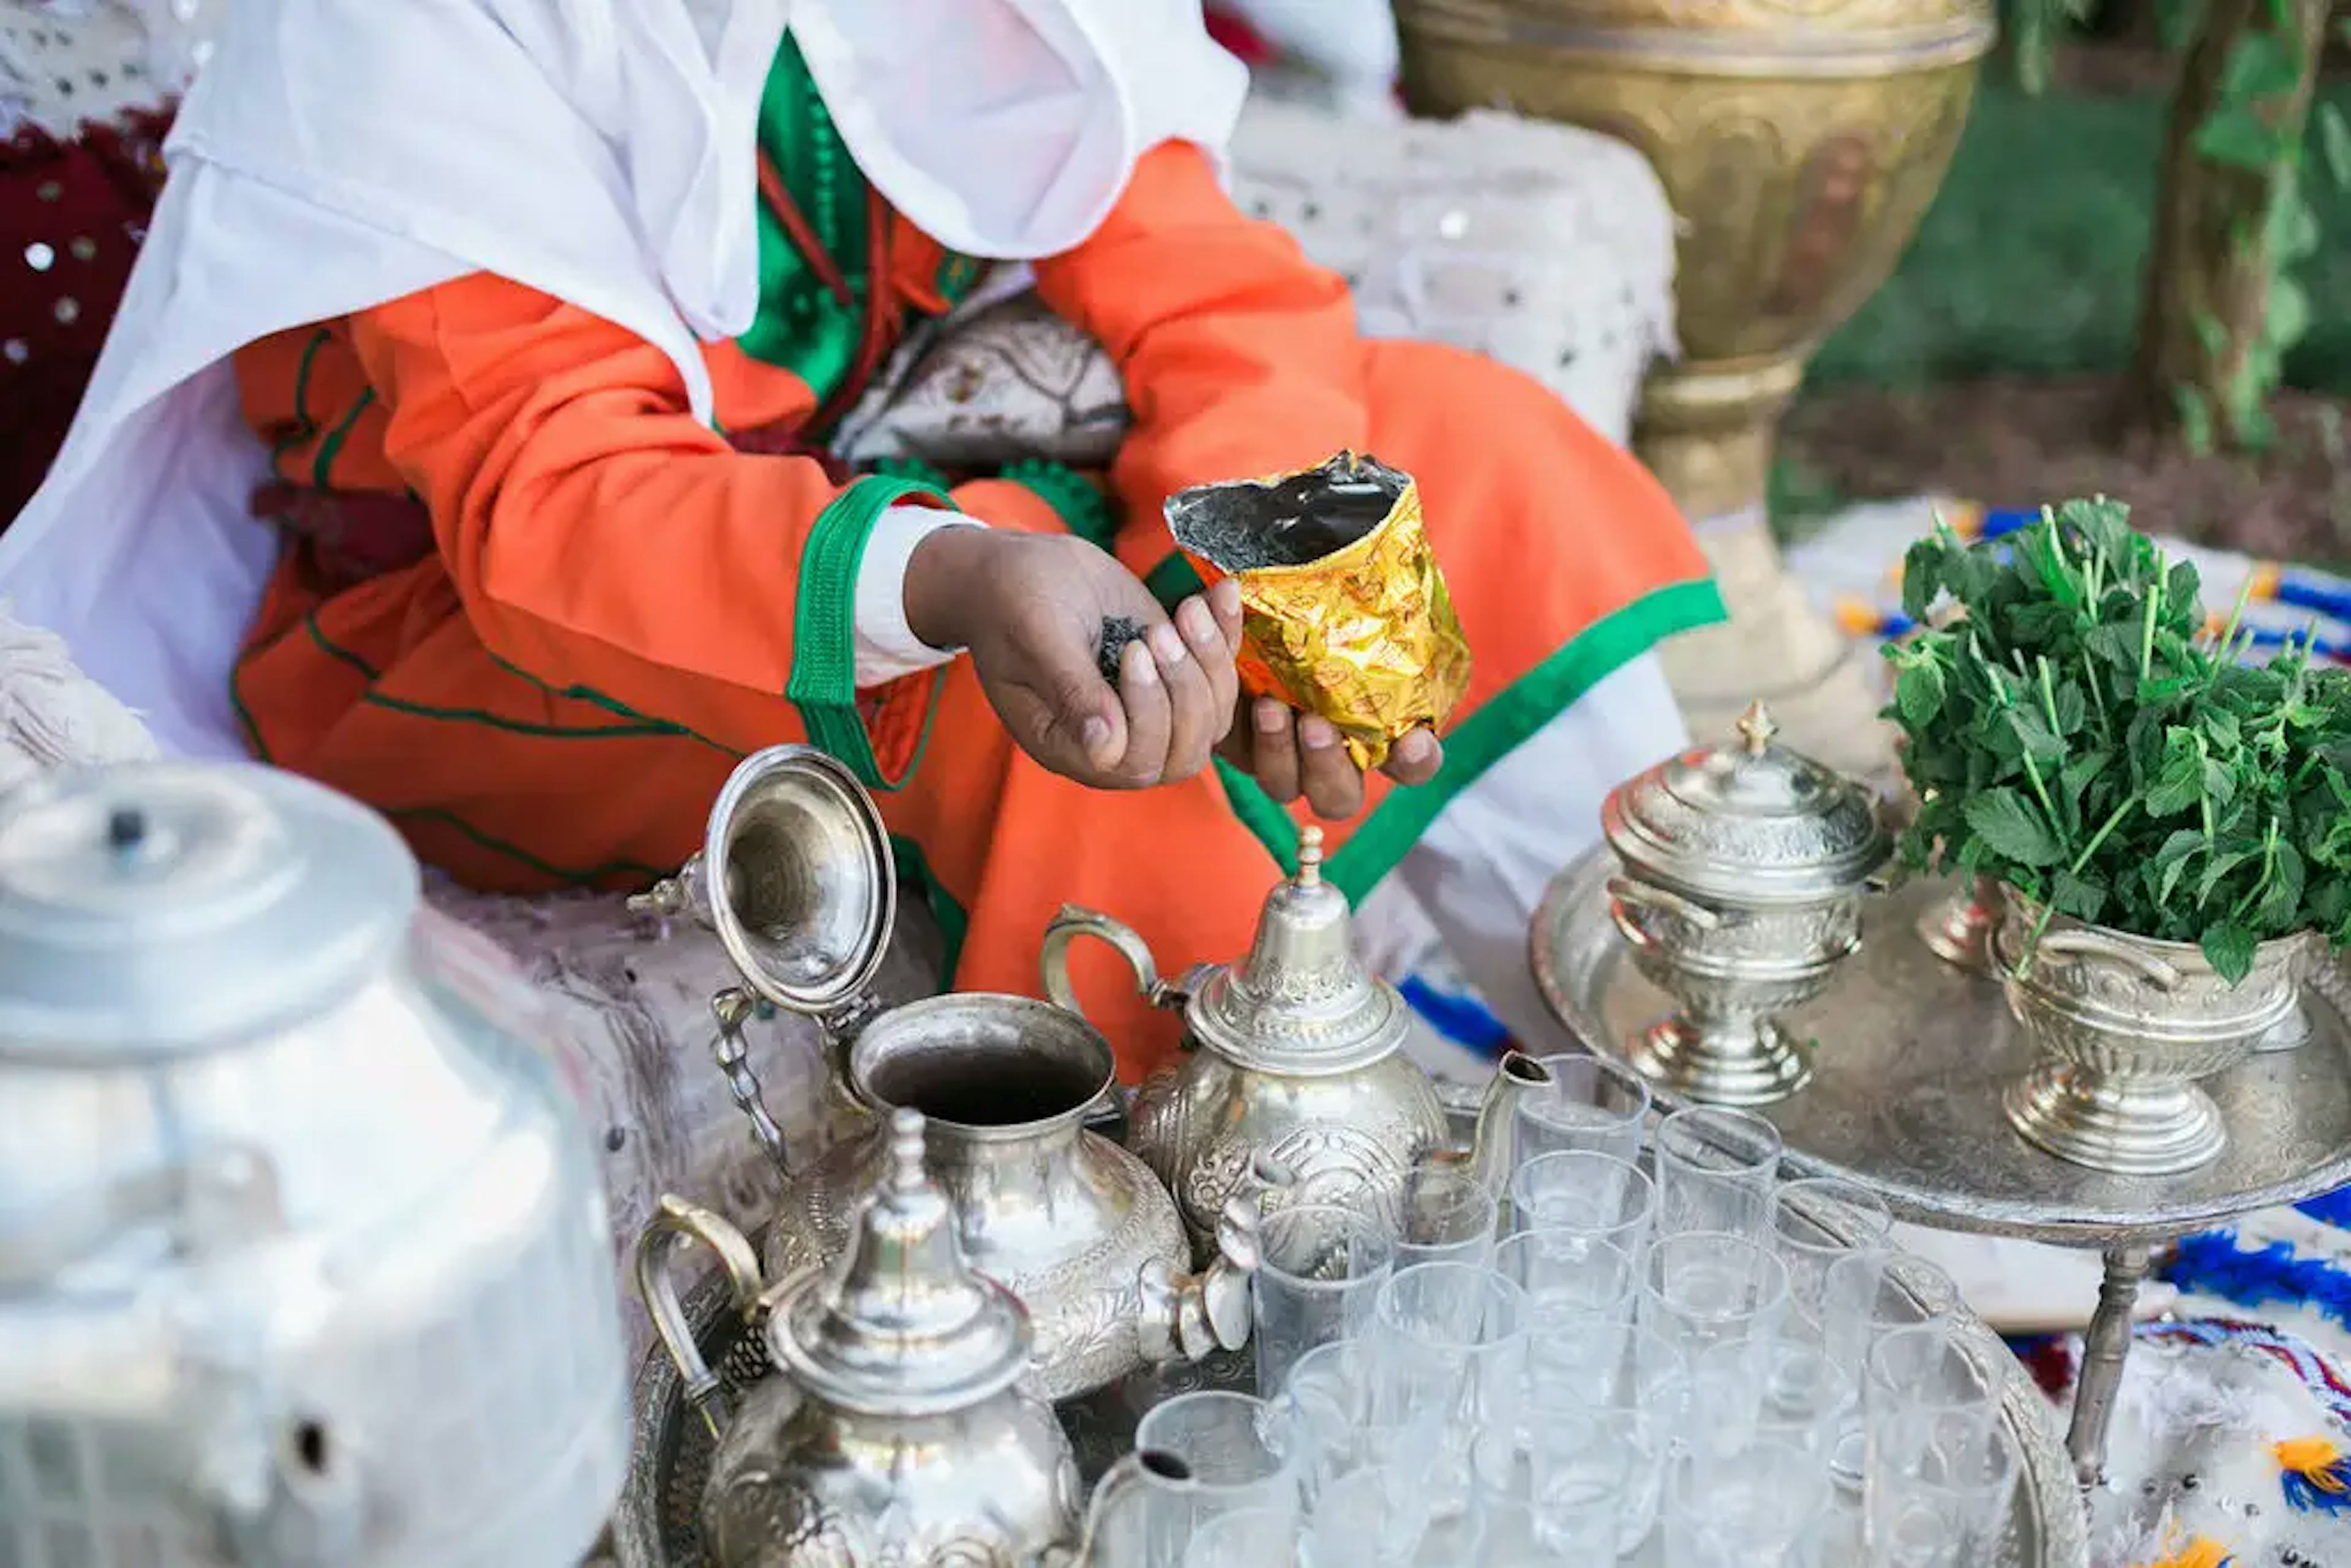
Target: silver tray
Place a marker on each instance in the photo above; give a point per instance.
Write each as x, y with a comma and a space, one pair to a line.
1910, 1056
655, 1525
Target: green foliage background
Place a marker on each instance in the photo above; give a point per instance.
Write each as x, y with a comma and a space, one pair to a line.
2031, 260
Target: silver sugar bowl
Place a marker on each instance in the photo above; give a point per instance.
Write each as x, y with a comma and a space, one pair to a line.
804, 897
303, 1250
898, 1430
1296, 1074
1744, 867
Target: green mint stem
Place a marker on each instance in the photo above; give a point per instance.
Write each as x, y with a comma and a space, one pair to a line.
2147, 628
2099, 837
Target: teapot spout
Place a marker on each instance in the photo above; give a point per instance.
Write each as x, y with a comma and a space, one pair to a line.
1489, 1157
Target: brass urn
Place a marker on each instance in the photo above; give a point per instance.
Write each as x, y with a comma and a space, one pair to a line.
1800, 143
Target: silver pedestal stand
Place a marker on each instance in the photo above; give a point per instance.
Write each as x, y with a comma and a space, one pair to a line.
1912, 1054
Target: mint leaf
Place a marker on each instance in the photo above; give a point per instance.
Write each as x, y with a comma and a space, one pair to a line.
2228, 948
1918, 692
2012, 829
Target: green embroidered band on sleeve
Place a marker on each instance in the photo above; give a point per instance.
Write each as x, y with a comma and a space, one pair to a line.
1084, 510
1499, 727
1173, 581
823, 681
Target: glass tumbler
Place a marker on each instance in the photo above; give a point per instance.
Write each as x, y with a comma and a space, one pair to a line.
1709, 1288
1760, 1508
1448, 1363
1599, 1194
1590, 1104
1616, 1440
1715, 1171
1441, 1214
1246, 1538
1318, 1279
1953, 1512
1237, 1452
1580, 1296
1816, 1221
1787, 1391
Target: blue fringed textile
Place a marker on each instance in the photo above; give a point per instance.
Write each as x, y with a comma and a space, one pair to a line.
2315, 1474
2216, 1265
2330, 1208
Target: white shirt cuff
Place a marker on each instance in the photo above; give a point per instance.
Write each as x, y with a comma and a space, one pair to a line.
887, 648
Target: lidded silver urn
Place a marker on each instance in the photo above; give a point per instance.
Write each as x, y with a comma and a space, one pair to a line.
1295, 1067
898, 1431
303, 1253
797, 879
1744, 868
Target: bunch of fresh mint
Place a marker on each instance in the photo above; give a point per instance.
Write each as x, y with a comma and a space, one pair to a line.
2072, 732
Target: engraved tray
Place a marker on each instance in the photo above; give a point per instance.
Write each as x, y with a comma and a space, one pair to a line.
1911, 1055
656, 1526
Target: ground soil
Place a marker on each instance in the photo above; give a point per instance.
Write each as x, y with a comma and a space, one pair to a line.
2021, 443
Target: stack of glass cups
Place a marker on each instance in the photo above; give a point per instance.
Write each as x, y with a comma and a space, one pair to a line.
1653, 1352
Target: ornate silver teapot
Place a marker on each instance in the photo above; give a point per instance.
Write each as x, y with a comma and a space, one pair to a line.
804, 895
1297, 1066
303, 1251
899, 1435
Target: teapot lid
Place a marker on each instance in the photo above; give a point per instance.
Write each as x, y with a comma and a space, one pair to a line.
1301, 1002
1749, 821
166, 909
903, 1325
803, 888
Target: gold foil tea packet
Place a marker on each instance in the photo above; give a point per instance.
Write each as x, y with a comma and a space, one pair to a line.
1344, 612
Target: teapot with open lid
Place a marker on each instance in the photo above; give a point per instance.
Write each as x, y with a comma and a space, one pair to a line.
900, 1430
797, 878
1295, 1066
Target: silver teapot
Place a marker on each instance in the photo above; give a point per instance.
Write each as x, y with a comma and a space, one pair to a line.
899, 1433
303, 1250
1296, 1088
803, 895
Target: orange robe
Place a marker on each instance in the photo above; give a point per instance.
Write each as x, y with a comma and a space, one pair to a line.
617, 604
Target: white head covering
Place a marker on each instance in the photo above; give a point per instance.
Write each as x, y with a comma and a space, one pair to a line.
335, 154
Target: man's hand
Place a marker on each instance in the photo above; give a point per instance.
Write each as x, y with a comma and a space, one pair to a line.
1293, 754
1030, 607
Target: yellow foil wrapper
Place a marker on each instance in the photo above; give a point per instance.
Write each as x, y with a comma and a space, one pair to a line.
1344, 612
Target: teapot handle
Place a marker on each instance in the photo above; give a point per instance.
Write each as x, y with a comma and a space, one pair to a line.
733, 1009
1074, 923
675, 1223
1186, 1317
1142, 1471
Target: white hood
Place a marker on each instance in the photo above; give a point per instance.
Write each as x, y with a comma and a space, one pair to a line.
335, 154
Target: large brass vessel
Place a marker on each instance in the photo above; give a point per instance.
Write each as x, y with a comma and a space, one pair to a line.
1800, 143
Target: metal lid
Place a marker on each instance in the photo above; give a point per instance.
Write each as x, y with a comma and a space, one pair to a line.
1748, 822
801, 884
169, 908
1301, 1002
903, 1325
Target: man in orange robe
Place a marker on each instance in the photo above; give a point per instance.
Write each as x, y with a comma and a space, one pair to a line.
547, 575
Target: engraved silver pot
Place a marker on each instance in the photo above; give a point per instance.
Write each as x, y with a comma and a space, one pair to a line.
303, 1251
1744, 871
899, 1432
1072, 1224
2125, 1026
1295, 1087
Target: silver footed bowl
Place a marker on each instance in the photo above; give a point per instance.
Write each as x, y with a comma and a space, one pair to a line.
2124, 1027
